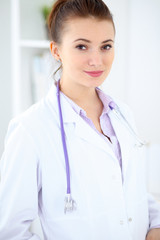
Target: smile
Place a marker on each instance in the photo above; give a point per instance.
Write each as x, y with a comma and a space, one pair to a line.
94, 73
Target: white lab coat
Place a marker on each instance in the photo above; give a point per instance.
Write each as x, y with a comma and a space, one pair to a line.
34, 179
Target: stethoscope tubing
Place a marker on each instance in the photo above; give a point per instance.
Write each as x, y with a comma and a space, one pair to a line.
63, 140
70, 204
122, 118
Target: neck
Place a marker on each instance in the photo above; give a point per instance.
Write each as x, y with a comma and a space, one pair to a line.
79, 94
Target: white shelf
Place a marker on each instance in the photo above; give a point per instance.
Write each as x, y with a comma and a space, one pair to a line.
28, 40
44, 44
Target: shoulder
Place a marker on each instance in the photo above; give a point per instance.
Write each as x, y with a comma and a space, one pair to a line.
126, 111
35, 119
31, 115
111, 99
122, 107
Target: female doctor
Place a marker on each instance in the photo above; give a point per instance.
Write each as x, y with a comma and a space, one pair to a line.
74, 158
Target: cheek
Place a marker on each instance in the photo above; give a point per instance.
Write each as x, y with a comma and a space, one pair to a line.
71, 58
109, 59
77, 61
112, 56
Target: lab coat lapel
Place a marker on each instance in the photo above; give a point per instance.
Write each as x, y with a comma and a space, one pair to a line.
82, 129
125, 139
88, 134
74, 124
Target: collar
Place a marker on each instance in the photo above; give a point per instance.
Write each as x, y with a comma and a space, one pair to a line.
106, 100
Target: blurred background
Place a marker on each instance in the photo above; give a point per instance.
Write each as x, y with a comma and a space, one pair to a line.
26, 64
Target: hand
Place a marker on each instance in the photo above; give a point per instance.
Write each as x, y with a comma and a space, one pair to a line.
153, 234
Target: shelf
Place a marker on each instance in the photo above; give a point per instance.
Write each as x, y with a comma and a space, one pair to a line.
35, 44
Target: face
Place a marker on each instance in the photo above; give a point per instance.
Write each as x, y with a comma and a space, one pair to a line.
86, 51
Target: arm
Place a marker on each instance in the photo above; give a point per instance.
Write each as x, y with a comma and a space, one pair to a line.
154, 219
154, 212
19, 186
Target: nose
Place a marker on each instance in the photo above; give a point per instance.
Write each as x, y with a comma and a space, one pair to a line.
95, 59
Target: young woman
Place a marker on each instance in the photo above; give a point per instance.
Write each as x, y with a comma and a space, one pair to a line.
74, 158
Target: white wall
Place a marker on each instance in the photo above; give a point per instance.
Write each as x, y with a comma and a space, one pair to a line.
5, 69
144, 67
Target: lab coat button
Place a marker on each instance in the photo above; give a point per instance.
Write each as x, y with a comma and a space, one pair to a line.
130, 219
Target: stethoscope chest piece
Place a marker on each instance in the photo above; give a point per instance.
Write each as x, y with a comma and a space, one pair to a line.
70, 204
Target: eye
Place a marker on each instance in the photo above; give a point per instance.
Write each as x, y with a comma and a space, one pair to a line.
107, 47
81, 47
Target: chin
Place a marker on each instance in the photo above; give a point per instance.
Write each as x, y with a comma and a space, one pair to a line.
94, 84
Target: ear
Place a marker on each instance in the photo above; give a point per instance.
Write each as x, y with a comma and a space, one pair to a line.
54, 50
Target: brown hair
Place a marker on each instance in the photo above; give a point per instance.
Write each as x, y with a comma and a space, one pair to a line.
63, 10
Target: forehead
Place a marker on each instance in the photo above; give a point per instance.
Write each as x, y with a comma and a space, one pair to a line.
88, 28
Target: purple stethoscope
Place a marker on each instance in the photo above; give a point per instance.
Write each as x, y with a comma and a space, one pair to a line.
70, 204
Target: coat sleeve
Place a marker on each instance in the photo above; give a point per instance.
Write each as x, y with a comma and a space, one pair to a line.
19, 185
154, 212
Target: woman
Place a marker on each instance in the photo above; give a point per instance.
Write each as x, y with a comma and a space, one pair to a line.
95, 166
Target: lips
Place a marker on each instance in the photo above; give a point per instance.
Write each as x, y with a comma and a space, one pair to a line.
94, 73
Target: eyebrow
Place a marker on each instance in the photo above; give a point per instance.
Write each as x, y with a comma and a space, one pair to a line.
85, 40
